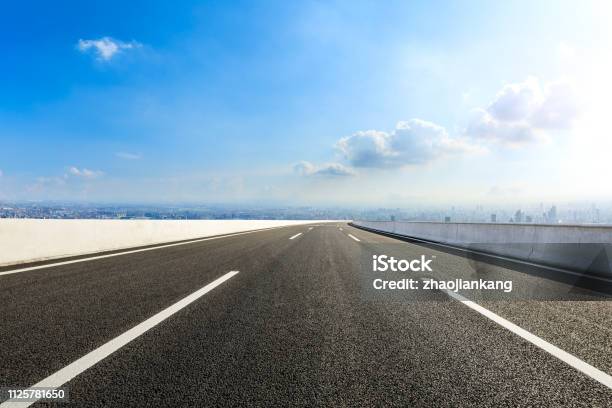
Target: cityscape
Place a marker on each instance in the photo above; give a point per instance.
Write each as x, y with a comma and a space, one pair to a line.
541, 213
305, 203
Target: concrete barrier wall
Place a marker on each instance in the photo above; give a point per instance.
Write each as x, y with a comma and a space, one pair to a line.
581, 248
26, 240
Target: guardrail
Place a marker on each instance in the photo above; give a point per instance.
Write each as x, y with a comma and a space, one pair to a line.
580, 248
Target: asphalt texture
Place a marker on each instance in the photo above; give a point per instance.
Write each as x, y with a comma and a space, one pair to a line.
298, 326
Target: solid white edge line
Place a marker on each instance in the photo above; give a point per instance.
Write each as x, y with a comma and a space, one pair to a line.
354, 237
295, 236
67, 373
133, 251
562, 355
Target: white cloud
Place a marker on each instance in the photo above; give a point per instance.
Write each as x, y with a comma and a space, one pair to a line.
524, 112
84, 173
305, 168
411, 142
106, 47
515, 102
335, 169
485, 126
128, 155
558, 110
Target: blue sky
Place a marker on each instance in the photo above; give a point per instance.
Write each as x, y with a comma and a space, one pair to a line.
377, 103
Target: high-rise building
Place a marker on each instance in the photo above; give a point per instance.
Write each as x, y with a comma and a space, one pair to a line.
551, 215
518, 216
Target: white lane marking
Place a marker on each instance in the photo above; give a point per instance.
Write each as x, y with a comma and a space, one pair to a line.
562, 355
295, 236
354, 237
309, 228
340, 229
67, 373
32, 268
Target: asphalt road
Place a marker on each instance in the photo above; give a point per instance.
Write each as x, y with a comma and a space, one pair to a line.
297, 326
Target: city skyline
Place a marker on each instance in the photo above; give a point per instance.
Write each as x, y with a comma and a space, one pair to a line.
316, 104
562, 214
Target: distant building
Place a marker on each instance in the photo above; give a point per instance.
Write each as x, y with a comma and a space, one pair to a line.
518, 216
447, 219
494, 218
551, 215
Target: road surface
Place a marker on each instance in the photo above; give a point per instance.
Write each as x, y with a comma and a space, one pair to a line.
281, 317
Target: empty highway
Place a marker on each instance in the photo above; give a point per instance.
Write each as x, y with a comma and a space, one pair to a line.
285, 317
